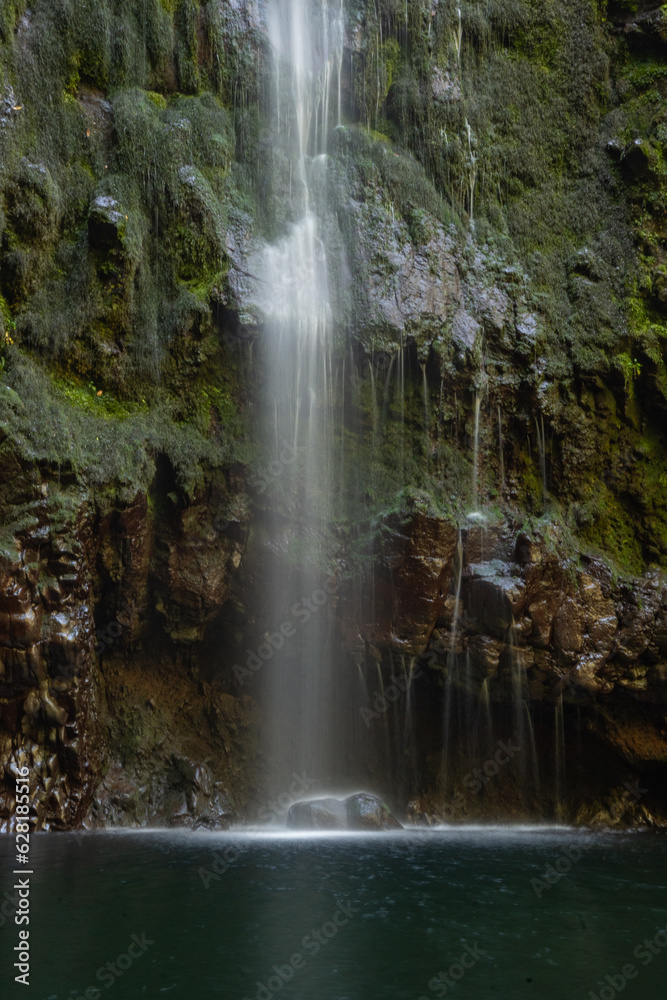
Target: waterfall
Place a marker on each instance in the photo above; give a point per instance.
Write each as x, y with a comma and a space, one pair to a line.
293, 298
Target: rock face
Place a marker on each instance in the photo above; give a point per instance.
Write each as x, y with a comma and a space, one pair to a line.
93, 693
581, 654
398, 601
498, 288
46, 656
360, 811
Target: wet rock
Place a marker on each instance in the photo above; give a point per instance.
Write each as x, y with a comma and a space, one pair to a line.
444, 88
484, 545
97, 110
403, 283
397, 604
491, 600
367, 812
320, 814
494, 307
567, 627
527, 552
485, 655
8, 102
466, 332
361, 811
418, 813
527, 327
33, 203
639, 160
107, 224
194, 568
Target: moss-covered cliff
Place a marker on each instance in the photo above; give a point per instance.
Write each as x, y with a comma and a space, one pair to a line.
494, 216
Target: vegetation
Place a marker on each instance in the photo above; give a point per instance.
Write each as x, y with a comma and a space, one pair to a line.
135, 146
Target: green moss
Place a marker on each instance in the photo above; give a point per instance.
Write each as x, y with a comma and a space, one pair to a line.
93, 400
519, 104
186, 16
159, 100
62, 422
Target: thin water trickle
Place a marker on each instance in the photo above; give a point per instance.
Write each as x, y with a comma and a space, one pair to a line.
519, 696
542, 451
475, 453
427, 420
559, 755
485, 701
452, 663
501, 456
401, 390
458, 36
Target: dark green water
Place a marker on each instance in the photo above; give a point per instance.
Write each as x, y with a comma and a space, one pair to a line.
412, 904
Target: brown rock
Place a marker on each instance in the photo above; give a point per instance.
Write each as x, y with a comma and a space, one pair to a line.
397, 602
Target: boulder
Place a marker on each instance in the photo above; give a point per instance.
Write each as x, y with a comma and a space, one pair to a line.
361, 811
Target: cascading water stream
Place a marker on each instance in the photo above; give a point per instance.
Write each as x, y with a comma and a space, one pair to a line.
542, 451
501, 455
293, 297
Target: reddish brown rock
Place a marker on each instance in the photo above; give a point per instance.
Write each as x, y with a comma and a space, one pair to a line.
396, 602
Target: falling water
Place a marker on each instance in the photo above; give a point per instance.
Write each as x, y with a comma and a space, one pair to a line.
475, 453
452, 661
519, 703
472, 172
401, 390
374, 405
485, 703
427, 419
458, 37
559, 756
542, 451
501, 455
293, 296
